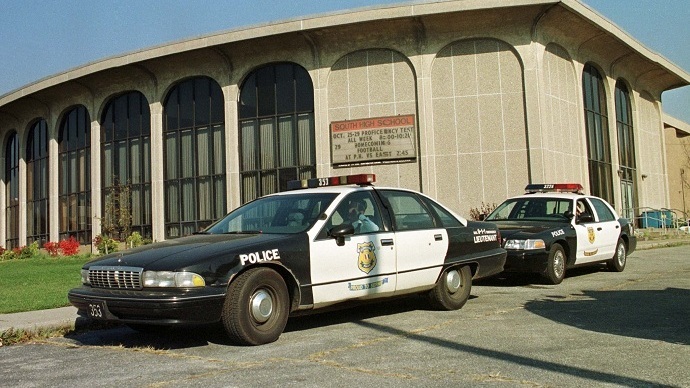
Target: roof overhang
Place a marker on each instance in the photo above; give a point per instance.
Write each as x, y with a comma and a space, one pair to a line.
682, 128
595, 34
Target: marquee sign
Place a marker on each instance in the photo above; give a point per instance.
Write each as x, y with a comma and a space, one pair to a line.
373, 140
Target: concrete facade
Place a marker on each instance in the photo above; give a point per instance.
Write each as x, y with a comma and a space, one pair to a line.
677, 139
495, 86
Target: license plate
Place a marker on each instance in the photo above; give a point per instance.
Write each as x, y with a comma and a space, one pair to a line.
96, 310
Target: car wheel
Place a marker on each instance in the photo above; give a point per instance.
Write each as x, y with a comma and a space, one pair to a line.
256, 307
617, 263
452, 289
555, 268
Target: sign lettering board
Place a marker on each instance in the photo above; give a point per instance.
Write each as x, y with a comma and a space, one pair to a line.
373, 141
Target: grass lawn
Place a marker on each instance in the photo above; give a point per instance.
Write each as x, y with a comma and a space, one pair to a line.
38, 283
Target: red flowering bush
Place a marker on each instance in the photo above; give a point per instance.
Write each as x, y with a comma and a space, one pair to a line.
52, 248
69, 247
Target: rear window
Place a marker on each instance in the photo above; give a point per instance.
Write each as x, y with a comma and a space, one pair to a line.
537, 209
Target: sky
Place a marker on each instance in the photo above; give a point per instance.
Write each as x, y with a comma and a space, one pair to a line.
40, 38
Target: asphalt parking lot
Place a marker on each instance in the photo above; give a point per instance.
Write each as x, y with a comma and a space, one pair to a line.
597, 328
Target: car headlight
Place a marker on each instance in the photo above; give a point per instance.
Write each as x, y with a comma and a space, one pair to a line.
525, 244
85, 277
172, 279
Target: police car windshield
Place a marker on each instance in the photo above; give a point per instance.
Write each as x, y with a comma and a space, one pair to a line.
533, 209
277, 214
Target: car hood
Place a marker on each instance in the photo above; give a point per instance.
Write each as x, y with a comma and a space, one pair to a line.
186, 252
526, 229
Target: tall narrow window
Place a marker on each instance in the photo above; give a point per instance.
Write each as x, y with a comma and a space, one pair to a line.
74, 139
596, 124
276, 112
37, 183
126, 167
194, 146
626, 150
12, 191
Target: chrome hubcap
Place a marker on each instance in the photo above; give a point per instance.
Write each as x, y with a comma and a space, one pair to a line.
558, 264
453, 281
261, 306
621, 255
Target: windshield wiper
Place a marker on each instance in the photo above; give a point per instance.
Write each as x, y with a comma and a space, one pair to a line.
244, 232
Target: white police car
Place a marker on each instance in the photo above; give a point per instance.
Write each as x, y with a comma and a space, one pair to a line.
555, 226
294, 252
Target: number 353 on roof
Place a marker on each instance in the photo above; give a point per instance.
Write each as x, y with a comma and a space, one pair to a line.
373, 140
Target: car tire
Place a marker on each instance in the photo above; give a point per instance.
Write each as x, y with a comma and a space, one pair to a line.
256, 307
555, 267
452, 289
617, 263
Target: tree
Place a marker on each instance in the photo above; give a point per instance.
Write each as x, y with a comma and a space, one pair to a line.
117, 212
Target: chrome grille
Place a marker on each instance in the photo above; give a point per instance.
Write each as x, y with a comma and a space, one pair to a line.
116, 277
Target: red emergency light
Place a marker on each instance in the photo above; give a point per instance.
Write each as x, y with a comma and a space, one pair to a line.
358, 179
555, 188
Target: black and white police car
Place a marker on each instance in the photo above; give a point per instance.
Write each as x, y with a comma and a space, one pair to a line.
341, 239
554, 227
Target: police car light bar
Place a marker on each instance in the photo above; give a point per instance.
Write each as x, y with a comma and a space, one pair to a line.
359, 179
556, 187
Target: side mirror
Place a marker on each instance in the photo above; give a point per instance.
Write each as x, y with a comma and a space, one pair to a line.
569, 215
340, 231
482, 217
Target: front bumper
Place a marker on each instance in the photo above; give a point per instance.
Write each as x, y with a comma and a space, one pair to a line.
168, 307
527, 261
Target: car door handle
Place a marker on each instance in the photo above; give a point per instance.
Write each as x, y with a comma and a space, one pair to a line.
386, 242
438, 237
618, 226
599, 228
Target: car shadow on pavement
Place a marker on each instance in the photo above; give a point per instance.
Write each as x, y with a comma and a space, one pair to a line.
533, 280
660, 315
202, 335
360, 311
166, 338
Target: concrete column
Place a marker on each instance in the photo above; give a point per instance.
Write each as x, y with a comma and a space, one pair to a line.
428, 183
613, 141
22, 193
232, 160
533, 57
96, 200
53, 189
3, 201
157, 166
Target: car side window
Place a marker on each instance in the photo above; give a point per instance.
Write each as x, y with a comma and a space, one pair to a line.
602, 210
583, 211
360, 210
447, 219
409, 213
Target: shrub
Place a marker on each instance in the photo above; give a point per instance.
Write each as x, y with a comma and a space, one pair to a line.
135, 240
28, 251
6, 254
69, 247
52, 248
24, 252
105, 245
477, 214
